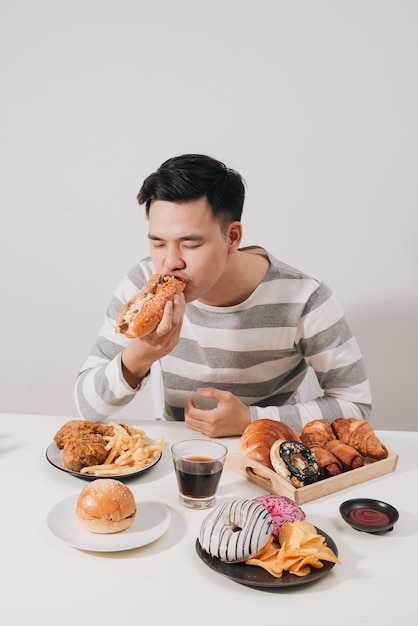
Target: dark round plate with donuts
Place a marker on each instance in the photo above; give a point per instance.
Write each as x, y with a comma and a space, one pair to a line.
254, 576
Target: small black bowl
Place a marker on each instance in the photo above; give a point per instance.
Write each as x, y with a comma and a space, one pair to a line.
368, 515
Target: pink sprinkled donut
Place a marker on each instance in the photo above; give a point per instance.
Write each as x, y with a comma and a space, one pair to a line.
282, 509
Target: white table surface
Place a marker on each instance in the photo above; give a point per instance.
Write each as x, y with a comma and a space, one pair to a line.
45, 580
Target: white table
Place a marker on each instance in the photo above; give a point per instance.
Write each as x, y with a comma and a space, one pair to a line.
45, 580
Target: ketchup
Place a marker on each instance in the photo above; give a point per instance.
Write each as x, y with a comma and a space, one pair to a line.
369, 517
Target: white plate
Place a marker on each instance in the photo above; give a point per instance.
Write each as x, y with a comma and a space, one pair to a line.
152, 521
55, 456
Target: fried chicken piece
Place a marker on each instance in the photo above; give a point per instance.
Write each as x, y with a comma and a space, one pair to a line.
85, 451
76, 429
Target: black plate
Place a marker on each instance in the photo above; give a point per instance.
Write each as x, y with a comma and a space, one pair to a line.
375, 505
55, 457
254, 576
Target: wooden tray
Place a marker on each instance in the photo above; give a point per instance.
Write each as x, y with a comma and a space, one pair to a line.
273, 483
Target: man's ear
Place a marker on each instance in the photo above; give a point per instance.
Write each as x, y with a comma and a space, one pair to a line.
234, 236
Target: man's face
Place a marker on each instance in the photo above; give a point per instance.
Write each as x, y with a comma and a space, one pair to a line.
185, 240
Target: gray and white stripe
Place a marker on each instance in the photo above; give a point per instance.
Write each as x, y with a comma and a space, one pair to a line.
259, 350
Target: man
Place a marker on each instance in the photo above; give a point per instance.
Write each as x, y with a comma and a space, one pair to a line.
237, 344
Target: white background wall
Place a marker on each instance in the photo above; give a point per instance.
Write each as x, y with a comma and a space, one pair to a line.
313, 101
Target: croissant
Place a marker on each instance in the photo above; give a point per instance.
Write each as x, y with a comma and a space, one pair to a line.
317, 433
346, 454
328, 463
359, 434
259, 436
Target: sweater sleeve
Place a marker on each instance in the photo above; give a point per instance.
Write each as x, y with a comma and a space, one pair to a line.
329, 348
100, 387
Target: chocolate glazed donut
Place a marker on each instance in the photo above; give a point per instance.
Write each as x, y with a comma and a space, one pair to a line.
295, 462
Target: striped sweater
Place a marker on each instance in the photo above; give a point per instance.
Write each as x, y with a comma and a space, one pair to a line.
259, 350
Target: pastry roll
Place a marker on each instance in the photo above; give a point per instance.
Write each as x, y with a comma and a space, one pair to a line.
328, 463
347, 455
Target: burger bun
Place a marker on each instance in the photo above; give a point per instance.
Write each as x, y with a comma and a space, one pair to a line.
106, 505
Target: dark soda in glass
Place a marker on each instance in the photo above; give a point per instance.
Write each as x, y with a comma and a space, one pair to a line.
198, 476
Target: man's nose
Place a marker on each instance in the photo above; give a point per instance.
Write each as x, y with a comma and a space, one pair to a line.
174, 260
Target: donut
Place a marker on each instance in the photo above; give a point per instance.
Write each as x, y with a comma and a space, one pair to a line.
295, 462
282, 509
236, 531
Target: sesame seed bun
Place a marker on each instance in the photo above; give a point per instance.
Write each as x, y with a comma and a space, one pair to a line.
106, 505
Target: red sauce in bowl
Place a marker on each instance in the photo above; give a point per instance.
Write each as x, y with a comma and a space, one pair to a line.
368, 516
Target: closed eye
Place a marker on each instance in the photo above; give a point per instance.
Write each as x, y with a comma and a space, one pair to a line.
184, 242
191, 244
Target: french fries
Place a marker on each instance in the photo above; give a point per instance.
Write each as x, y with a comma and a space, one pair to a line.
129, 450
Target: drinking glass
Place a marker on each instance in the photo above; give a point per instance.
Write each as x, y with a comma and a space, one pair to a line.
198, 465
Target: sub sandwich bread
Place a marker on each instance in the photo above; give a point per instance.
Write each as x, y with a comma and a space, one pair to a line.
142, 313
